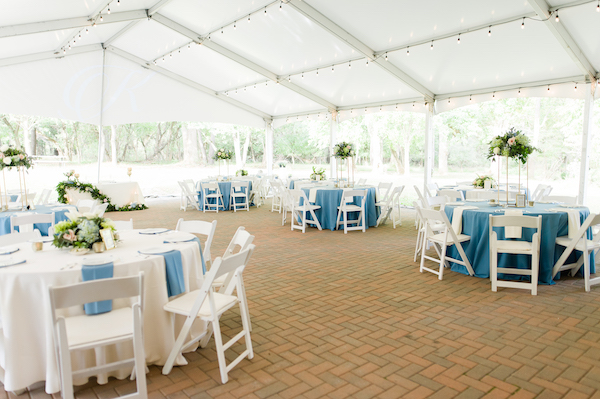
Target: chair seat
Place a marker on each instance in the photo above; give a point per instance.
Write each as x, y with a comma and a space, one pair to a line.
440, 238
307, 207
83, 329
184, 303
238, 195
351, 208
212, 196
565, 241
516, 246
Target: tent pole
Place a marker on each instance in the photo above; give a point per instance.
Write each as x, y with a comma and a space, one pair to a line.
333, 130
428, 145
586, 141
100, 132
269, 145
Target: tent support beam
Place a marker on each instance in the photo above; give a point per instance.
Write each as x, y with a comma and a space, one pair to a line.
100, 128
186, 81
269, 145
305, 9
241, 60
586, 142
22, 59
428, 145
333, 132
565, 39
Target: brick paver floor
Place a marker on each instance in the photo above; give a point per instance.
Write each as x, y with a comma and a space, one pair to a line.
341, 316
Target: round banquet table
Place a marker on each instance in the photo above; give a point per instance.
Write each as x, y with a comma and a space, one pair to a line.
26, 345
59, 216
329, 199
225, 187
475, 223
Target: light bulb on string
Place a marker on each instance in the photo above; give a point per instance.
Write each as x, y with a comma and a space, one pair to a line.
598, 6
386, 57
170, 55
317, 71
431, 48
235, 25
332, 70
408, 51
118, 2
523, 24
108, 12
265, 10
575, 86
221, 30
470, 98
490, 31
302, 75
94, 25
87, 30
557, 19
281, 5
290, 78
519, 92
64, 51
494, 95
367, 62
80, 35
448, 101
69, 46
163, 59
548, 87
101, 19
349, 64
458, 41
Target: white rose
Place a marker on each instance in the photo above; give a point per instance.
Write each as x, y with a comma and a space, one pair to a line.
496, 150
4, 148
8, 160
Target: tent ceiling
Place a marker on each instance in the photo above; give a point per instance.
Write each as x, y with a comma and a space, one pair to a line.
303, 56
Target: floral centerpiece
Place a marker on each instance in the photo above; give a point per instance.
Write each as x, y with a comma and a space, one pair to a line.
513, 144
318, 174
241, 172
80, 231
223, 155
480, 181
343, 150
13, 157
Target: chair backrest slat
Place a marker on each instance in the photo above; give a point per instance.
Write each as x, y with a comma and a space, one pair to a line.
96, 290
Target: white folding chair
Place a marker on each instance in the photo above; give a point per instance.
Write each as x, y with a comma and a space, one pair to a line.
187, 196
361, 182
122, 225
299, 211
25, 222
100, 209
453, 195
239, 190
84, 205
347, 205
396, 205
580, 243
564, 199
509, 246
83, 332
384, 189
211, 191
17, 238
540, 192
432, 203
441, 241
43, 200
203, 228
432, 189
388, 207
208, 305
255, 193
423, 204
277, 201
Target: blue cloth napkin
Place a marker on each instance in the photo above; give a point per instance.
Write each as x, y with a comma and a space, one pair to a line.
197, 240
96, 272
174, 273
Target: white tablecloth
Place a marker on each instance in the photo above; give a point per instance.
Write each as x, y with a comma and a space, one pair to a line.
120, 194
26, 345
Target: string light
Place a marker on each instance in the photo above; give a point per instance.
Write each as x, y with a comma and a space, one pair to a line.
101, 19
431, 48
523, 23
548, 87
598, 6
290, 78
490, 31
408, 51
386, 57
94, 25
519, 91
80, 35
575, 86
557, 19
248, 18
448, 101
302, 75
494, 95
367, 62
332, 70
349, 64
281, 5
470, 98
317, 71
108, 10
87, 30
458, 41
235, 25
118, 2
265, 10
221, 30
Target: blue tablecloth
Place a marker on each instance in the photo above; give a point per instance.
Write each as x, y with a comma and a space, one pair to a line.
476, 224
225, 187
329, 199
59, 216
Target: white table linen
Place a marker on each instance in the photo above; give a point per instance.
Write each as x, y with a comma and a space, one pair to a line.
26, 344
120, 194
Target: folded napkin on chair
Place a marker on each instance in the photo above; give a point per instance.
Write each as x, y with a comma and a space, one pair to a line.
96, 272
574, 220
457, 217
513, 231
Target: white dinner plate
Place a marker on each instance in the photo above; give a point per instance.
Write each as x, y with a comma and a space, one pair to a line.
97, 260
455, 203
570, 206
156, 230
179, 239
11, 249
476, 200
4, 262
156, 250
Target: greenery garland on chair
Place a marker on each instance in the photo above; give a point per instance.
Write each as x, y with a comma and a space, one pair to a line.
73, 182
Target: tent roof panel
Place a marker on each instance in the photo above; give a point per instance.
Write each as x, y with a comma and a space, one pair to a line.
36, 43
275, 99
580, 22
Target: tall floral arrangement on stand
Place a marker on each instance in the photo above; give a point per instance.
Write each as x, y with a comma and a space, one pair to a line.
345, 151
514, 145
223, 155
12, 157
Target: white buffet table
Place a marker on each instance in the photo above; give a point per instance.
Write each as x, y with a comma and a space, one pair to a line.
120, 194
26, 345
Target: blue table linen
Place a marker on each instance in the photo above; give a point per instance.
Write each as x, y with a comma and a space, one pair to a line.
96, 272
476, 224
174, 273
59, 216
225, 187
197, 240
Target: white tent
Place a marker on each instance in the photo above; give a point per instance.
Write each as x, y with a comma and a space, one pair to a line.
262, 62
